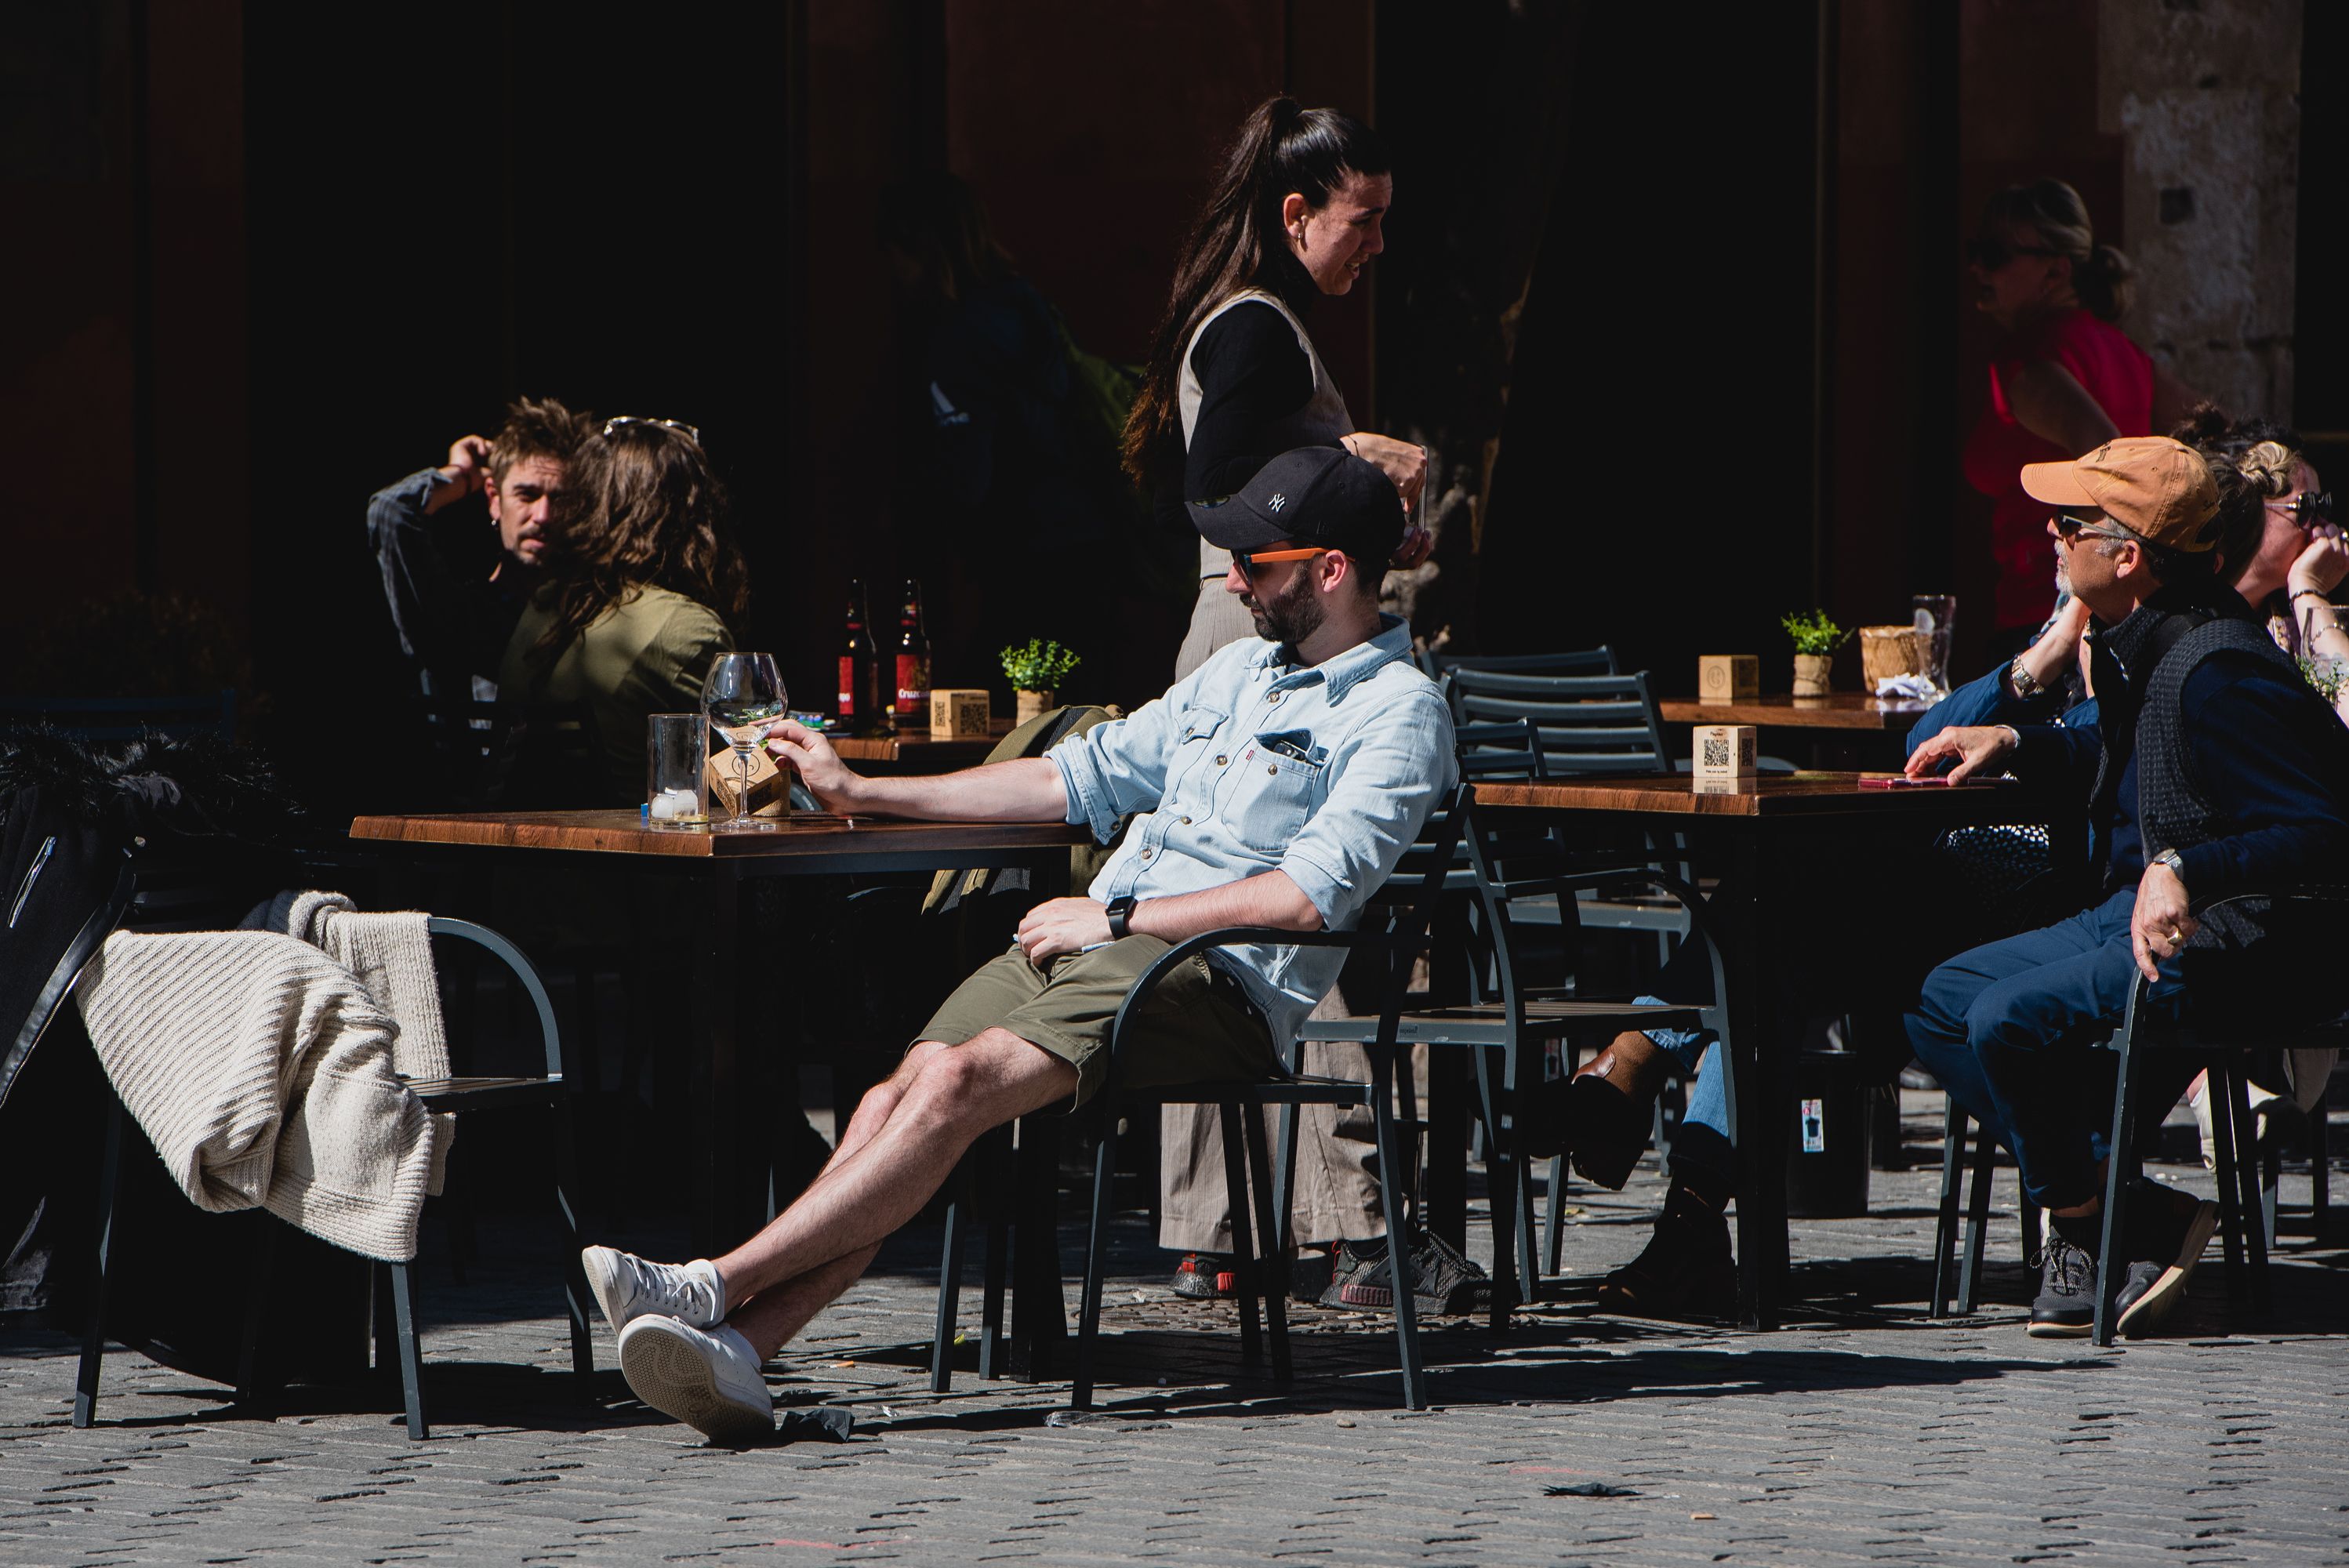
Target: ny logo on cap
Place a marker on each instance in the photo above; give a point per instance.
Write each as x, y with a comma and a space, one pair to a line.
1276, 502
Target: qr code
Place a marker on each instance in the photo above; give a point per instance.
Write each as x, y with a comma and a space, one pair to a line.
1716, 751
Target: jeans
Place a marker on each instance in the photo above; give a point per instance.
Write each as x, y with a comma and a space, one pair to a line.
2012, 1029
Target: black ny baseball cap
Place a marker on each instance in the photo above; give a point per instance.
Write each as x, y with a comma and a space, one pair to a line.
1323, 495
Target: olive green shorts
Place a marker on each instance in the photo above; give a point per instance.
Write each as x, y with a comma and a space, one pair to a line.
1197, 1026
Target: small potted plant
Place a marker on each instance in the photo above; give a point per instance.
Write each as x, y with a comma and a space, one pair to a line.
1036, 671
1815, 640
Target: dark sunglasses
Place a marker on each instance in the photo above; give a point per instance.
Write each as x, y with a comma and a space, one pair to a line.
1992, 255
1250, 562
2068, 528
691, 432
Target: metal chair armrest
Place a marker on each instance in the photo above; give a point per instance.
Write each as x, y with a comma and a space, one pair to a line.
1249, 935
524, 971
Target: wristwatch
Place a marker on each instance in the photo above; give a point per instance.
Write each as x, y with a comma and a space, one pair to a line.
2026, 684
2176, 863
1121, 909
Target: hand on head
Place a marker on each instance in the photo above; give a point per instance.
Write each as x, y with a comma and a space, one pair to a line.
2323, 563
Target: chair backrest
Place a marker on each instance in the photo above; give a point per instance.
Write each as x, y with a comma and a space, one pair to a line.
524, 971
114, 718
1598, 661
1584, 724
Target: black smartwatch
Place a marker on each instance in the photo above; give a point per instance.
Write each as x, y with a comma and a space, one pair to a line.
1121, 909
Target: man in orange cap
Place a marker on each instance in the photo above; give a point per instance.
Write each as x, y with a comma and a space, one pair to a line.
2212, 770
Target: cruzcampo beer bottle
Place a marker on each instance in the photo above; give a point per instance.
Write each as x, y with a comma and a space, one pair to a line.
913, 660
865, 704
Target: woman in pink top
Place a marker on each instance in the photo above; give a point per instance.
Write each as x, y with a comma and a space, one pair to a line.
2063, 380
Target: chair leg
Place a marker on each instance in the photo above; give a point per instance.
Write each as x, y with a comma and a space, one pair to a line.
2120, 1162
1284, 1179
1244, 1261
567, 1196
256, 1303
2248, 1200
1554, 1223
990, 1310
1406, 1313
1977, 1219
1096, 1262
2220, 1086
2320, 1170
1268, 1225
93, 1339
412, 1355
1945, 1223
949, 1301
1501, 1187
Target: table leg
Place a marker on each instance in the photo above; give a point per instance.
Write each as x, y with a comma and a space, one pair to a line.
1757, 1091
720, 1212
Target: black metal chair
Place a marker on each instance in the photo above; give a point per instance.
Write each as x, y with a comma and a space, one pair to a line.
397, 1338
2244, 1206
1598, 661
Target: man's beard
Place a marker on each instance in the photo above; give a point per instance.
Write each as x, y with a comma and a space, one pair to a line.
1291, 616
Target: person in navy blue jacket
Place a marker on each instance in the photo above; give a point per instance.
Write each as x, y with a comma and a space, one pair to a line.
2211, 770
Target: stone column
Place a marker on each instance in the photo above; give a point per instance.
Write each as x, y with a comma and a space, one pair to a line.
2204, 94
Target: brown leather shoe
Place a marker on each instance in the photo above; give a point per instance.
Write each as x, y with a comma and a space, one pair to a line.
1611, 1107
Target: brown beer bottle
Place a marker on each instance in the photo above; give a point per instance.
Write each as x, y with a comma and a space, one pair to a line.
863, 703
913, 659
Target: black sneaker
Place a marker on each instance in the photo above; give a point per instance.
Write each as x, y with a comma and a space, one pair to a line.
1205, 1276
2065, 1307
1687, 1269
2168, 1230
1442, 1280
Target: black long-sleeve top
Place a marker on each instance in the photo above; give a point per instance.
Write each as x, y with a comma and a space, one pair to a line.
1253, 374
2263, 752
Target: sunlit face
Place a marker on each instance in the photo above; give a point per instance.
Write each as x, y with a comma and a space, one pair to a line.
1336, 240
2283, 539
2027, 274
1283, 599
2090, 572
519, 504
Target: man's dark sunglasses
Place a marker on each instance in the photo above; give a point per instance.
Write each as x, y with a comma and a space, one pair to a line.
2069, 526
1992, 255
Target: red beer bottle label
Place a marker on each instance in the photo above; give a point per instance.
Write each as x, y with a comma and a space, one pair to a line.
912, 682
847, 687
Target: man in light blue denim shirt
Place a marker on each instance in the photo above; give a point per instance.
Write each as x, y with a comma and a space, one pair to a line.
1278, 785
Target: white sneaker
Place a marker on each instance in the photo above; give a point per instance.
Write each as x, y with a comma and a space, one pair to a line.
709, 1381
628, 1287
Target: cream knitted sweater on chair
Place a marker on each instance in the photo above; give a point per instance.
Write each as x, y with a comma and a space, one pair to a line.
267, 1073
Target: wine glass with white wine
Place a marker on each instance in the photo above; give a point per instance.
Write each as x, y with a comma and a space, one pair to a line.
742, 695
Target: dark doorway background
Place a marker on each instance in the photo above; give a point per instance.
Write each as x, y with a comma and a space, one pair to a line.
267, 259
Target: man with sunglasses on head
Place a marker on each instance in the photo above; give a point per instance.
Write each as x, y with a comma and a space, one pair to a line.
2211, 771
1277, 784
455, 589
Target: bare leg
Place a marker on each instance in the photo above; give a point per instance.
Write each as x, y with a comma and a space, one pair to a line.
773, 1318
947, 1101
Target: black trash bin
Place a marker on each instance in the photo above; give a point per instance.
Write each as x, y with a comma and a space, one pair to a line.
1828, 1155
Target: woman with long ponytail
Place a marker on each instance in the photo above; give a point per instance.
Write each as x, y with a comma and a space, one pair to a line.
1233, 382
1233, 379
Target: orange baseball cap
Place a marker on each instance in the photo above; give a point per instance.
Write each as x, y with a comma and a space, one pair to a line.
2157, 488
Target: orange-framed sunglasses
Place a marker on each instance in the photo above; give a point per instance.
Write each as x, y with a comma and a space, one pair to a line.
1249, 560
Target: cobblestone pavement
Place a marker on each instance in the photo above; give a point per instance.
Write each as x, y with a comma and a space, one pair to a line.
1863, 1432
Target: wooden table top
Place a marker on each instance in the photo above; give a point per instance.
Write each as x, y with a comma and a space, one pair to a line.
624, 833
1776, 795
915, 745
1836, 710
